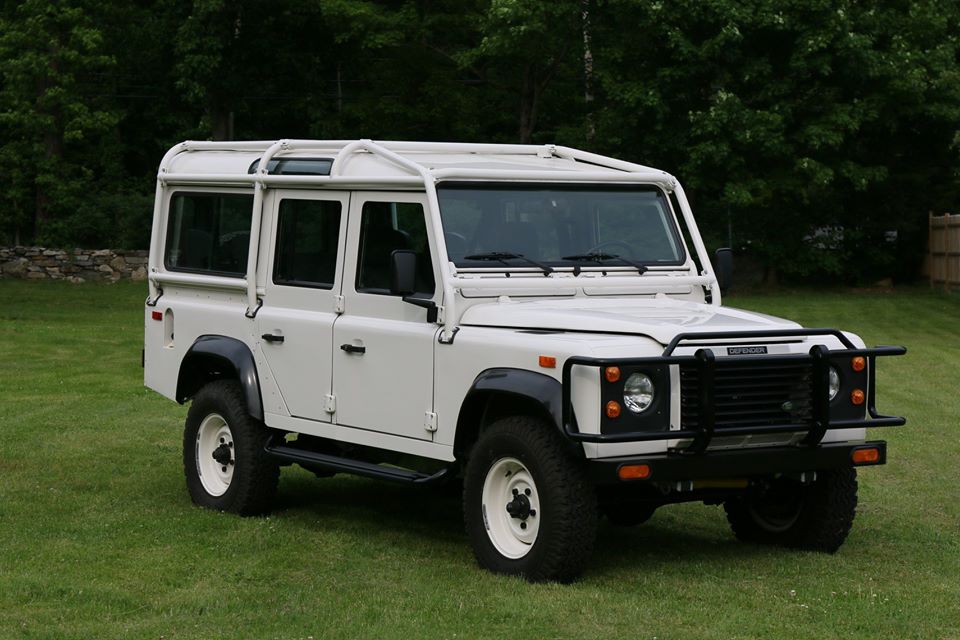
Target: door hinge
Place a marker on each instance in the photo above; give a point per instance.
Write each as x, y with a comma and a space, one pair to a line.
338, 304
330, 403
430, 421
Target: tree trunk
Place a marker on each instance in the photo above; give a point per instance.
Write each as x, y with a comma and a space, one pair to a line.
587, 70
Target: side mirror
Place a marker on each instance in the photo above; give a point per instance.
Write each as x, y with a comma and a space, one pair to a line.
403, 281
403, 272
723, 266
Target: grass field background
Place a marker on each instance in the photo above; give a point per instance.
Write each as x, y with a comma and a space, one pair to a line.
98, 538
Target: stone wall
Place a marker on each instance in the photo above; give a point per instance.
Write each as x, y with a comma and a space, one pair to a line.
74, 265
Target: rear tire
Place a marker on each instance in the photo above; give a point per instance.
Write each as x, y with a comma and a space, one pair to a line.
817, 516
224, 461
528, 508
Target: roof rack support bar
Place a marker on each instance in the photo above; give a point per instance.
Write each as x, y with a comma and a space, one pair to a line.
256, 221
698, 245
604, 161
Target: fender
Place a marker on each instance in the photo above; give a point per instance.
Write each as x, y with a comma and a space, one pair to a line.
541, 389
214, 357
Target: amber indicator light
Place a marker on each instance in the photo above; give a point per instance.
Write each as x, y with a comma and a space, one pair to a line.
865, 456
634, 471
857, 396
612, 374
548, 362
156, 315
613, 409
858, 364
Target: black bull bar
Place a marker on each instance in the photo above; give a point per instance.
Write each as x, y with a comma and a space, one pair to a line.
705, 362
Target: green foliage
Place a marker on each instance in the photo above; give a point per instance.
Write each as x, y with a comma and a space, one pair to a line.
786, 121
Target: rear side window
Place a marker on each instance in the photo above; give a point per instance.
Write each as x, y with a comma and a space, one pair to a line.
209, 233
307, 235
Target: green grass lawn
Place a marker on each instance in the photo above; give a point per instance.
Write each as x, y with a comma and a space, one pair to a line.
98, 538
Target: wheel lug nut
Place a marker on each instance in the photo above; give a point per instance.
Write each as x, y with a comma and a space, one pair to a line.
526, 491
515, 492
224, 469
523, 525
533, 512
222, 440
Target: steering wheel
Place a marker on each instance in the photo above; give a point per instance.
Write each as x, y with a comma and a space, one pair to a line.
611, 243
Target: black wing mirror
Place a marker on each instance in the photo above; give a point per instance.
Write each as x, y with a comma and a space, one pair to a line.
723, 267
403, 281
403, 272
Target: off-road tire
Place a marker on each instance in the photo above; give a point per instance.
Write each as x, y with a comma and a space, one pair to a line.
567, 504
255, 475
819, 518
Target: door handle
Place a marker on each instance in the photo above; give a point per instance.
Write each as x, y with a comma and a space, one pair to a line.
352, 348
270, 337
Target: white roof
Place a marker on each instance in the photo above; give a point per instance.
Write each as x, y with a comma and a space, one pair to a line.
394, 163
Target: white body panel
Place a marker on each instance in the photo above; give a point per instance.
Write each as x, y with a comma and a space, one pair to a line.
405, 391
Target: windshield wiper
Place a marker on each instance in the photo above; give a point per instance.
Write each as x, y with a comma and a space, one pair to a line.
599, 257
503, 256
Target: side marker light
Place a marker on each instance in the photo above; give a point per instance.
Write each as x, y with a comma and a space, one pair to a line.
858, 363
634, 472
548, 362
613, 409
865, 456
857, 397
156, 315
612, 374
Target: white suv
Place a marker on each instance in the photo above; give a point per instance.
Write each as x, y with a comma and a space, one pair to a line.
542, 322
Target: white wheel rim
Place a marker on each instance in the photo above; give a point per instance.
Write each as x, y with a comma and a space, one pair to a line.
513, 535
214, 433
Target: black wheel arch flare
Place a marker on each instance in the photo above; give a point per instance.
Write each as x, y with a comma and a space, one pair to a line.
213, 357
534, 390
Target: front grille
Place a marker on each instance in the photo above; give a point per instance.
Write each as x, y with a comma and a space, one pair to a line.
750, 394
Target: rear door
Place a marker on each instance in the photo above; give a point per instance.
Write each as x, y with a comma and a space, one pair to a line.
295, 323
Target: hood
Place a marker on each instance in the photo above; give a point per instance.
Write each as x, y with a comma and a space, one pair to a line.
659, 318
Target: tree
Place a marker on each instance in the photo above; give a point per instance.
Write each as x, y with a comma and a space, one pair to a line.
52, 53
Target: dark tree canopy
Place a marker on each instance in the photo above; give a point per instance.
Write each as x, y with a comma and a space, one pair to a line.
806, 131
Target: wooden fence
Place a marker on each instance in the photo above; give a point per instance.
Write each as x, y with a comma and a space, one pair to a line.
944, 261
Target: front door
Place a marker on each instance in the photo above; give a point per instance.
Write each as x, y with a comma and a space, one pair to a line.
295, 323
383, 346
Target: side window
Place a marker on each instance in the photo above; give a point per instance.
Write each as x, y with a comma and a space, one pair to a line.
384, 228
307, 235
209, 232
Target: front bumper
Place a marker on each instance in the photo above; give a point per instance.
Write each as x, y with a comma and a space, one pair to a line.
735, 463
818, 359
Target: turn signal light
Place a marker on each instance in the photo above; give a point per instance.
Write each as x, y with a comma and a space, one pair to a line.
865, 456
634, 471
857, 397
858, 364
156, 315
548, 362
613, 409
612, 374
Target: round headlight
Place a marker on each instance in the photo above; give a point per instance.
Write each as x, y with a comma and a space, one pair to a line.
834, 383
638, 392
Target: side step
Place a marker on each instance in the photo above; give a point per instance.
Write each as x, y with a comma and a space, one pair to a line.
357, 467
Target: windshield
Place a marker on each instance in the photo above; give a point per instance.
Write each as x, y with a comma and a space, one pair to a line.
559, 226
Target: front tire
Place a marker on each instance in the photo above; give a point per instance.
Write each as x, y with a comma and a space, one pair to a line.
816, 517
224, 461
528, 508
